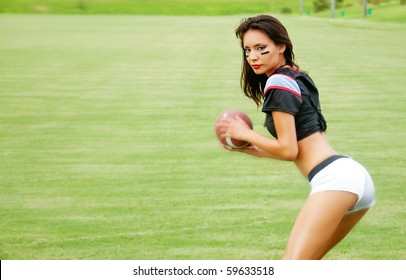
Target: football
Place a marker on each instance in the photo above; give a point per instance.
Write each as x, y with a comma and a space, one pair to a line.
233, 143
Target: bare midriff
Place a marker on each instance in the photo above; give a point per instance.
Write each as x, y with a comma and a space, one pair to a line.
312, 151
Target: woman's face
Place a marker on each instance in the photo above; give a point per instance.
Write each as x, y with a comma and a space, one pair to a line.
261, 52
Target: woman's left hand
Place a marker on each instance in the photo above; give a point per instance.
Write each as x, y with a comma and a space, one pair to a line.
234, 128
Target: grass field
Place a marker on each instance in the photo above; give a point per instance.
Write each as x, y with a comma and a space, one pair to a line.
108, 148
386, 10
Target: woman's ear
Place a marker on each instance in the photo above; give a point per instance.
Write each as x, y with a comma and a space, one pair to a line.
282, 48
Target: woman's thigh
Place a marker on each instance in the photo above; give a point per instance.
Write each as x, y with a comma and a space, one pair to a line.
318, 219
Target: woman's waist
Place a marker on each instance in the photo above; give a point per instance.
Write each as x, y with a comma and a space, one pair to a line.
312, 151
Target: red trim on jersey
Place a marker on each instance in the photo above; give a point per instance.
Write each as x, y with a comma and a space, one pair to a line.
283, 88
290, 77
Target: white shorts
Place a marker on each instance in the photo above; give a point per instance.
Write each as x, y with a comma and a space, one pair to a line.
344, 174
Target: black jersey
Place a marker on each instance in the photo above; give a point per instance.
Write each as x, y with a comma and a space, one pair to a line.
292, 91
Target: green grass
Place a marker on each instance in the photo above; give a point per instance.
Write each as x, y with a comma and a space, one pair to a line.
108, 147
149, 7
389, 10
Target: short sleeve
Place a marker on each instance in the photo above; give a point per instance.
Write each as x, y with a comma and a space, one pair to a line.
282, 93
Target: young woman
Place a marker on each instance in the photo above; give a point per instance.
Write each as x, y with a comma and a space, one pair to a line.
342, 191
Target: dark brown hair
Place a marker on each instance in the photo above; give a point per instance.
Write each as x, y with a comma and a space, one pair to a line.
251, 83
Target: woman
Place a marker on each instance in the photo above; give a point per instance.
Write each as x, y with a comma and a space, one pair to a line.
341, 189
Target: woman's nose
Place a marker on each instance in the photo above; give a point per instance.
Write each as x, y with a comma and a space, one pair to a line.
253, 56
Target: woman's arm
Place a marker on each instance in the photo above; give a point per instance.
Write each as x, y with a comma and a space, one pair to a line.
283, 148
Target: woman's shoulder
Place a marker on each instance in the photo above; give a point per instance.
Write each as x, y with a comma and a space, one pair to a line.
282, 77
290, 71
300, 76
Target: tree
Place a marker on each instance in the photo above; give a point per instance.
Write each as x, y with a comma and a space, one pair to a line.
320, 5
81, 4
